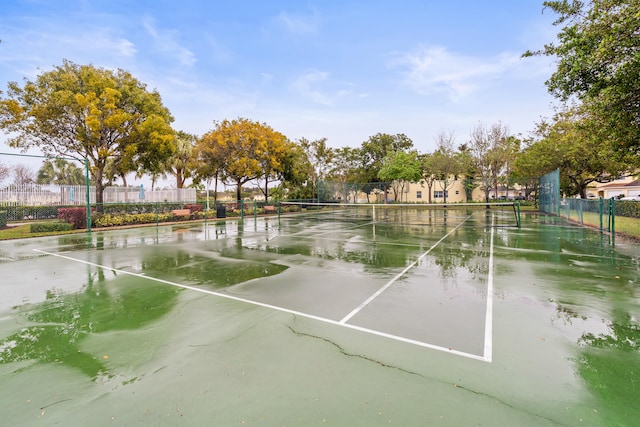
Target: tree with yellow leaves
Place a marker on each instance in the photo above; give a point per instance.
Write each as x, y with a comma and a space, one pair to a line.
240, 151
91, 114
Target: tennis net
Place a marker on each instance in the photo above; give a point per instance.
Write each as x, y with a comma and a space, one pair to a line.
497, 214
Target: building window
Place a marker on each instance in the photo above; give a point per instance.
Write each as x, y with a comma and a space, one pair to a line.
438, 194
419, 195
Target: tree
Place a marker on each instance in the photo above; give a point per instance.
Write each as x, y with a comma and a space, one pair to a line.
180, 163
486, 148
320, 156
61, 172
4, 172
345, 168
376, 148
598, 51
570, 142
400, 167
239, 150
510, 150
445, 163
272, 160
428, 165
85, 112
374, 151
296, 170
22, 175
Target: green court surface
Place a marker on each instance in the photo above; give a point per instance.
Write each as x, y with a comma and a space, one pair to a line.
293, 321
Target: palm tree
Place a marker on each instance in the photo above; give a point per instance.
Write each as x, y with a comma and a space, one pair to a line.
60, 172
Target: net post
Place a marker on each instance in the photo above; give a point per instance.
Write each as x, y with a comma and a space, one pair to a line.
518, 220
373, 214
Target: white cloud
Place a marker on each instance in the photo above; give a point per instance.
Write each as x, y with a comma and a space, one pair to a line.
166, 43
435, 70
319, 87
298, 24
307, 86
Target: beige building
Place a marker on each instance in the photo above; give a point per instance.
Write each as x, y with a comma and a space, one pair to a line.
624, 187
420, 192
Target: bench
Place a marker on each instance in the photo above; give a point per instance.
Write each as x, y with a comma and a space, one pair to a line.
181, 212
269, 209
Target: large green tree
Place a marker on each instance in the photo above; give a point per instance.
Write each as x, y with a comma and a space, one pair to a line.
90, 113
296, 170
376, 148
598, 53
571, 143
400, 168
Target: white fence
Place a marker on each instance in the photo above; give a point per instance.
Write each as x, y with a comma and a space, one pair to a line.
65, 195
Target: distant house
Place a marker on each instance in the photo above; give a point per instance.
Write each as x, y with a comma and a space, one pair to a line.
625, 187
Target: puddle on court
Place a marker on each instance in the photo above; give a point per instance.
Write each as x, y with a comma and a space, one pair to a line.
566, 340
590, 292
59, 325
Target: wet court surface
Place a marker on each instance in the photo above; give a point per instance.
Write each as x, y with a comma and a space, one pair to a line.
300, 323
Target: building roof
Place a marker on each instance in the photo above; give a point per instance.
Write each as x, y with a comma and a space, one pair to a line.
633, 184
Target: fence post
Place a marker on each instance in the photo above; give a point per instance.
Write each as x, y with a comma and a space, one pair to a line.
601, 212
612, 215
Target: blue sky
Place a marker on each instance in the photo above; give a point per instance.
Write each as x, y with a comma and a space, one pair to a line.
344, 70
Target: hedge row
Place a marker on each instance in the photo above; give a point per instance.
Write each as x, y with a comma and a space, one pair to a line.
628, 208
108, 220
20, 213
3, 219
47, 227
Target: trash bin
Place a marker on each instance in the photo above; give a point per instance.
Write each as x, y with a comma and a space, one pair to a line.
221, 211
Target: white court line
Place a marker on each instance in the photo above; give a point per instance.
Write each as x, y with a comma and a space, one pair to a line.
399, 275
273, 307
488, 322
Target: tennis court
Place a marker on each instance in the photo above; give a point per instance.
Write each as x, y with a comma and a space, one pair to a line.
345, 317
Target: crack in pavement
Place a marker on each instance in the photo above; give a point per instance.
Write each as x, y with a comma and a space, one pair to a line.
406, 371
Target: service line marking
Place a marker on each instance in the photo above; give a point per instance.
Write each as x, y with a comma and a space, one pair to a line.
399, 275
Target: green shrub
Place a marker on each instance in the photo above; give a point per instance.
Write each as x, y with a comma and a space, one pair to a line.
47, 227
628, 208
114, 220
3, 218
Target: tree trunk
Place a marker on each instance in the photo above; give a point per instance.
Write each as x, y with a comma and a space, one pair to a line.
266, 188
239, 191
179, 179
